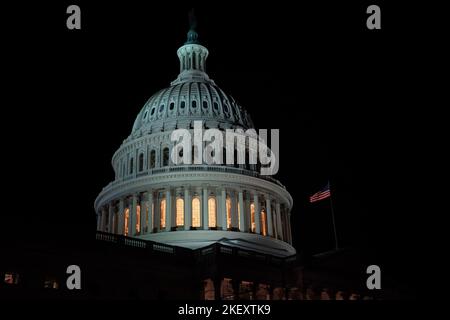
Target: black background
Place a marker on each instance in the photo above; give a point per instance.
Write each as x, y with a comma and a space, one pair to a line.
341, 95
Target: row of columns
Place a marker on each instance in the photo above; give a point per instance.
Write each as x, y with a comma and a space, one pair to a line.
111, 218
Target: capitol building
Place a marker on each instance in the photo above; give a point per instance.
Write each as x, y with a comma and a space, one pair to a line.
192, 205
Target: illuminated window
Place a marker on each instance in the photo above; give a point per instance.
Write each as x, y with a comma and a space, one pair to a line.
165, 157
180, 212
228, 203
263, 222
11, 278
141, 162
252, 216
51, 283
196, 212
209, 289
162, 224
239, 214
127, 217
138, 218
212, 212
152, 159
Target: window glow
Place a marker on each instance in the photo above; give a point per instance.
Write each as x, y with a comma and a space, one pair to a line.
212, 212
228, 203
163, 214
138, 218
127, 216
196, 212
252, 216
180, 212
239, 214
263, 222
11, 278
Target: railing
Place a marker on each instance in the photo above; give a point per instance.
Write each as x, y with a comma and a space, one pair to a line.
212, 249
208, 168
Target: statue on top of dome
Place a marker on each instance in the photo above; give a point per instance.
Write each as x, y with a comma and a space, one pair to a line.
192, 35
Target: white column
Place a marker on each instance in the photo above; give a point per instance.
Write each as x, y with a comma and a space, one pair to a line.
132, 220
223, 208
269, 217
187, 209
143, 214
157, 213
275, 223
205, 209
248, 218
234, 211
257, 213
243, 225
103, 224
150, 211
168, 210
120, 215
110, 218
280, 225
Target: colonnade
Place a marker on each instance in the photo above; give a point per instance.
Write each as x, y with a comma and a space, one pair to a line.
196, 208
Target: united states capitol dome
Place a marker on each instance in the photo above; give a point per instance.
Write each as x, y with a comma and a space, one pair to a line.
192, 96
192, 205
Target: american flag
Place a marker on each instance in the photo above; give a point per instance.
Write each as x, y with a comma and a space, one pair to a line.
321, 194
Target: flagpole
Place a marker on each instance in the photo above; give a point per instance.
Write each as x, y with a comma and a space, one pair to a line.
334, 223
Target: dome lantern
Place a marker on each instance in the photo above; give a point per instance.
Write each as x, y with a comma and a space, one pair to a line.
192, 57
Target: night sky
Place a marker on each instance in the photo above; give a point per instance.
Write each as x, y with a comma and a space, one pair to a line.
339, 93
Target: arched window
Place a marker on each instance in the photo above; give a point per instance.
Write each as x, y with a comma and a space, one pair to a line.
131, 165
194, 104
162, 208
141, 162
180, 212
252, 217
228, 204
127, 218
172, 105
205, 104
165, 157
193, 61
212, 212
183, 104
138, 218
196, 212
263, 222
152, 159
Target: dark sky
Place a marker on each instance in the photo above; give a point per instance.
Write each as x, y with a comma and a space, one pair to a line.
339, 93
